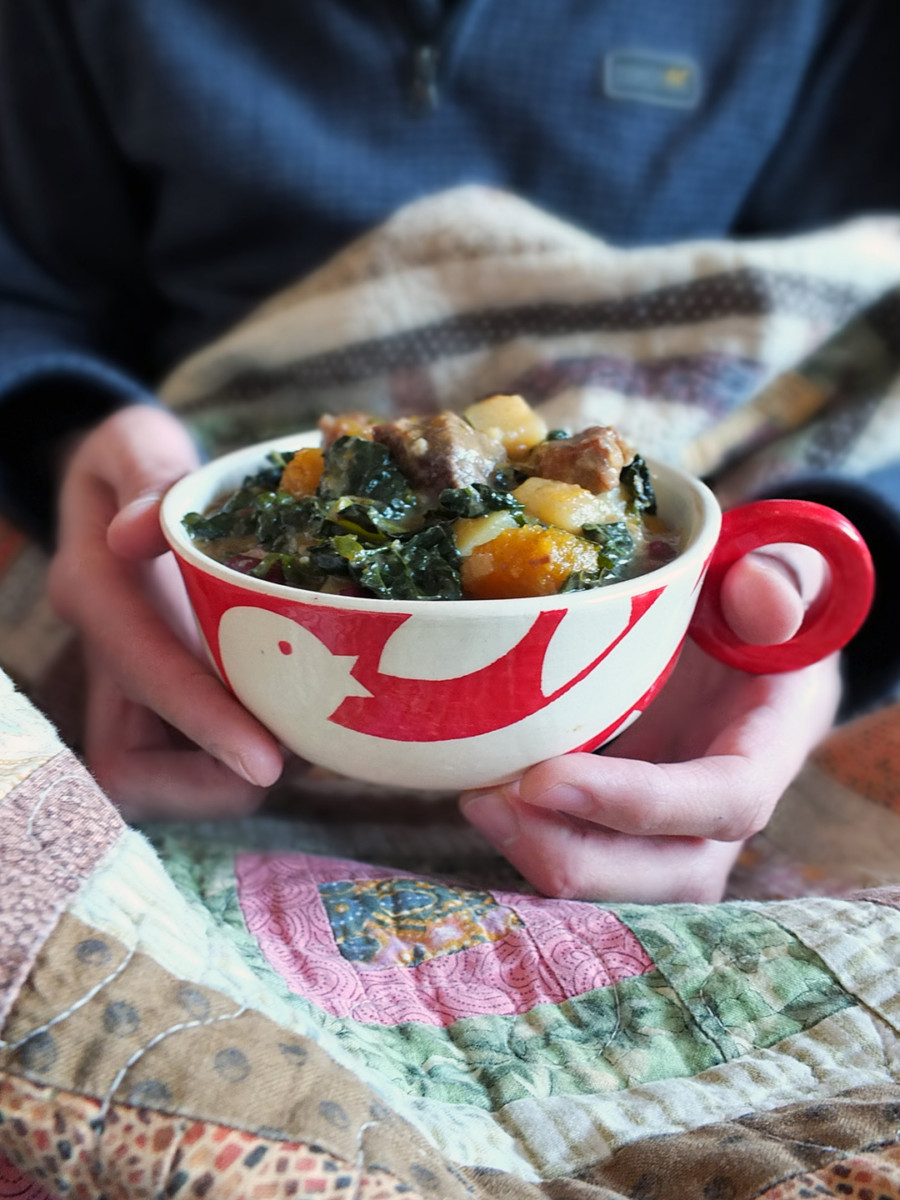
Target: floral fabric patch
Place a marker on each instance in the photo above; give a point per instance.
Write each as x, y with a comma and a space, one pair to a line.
406, 922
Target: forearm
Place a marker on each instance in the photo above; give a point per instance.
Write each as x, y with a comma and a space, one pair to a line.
78, 313
39, 418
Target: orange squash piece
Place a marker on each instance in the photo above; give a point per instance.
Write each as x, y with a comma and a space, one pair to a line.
350, 424
302, 474
526, 561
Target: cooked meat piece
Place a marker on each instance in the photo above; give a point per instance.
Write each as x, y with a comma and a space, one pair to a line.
440, 452
592, 459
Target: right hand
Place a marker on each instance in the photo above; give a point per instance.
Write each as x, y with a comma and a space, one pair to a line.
163, 736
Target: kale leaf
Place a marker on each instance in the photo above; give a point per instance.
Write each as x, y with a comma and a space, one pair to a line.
477, 500
635, 479
424, 566
365, 470
615, 542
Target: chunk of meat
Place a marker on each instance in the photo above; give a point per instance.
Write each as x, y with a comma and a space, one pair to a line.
593, 459
439, 452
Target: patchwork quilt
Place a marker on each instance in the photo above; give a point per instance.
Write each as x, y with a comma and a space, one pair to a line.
351, 994
238, 1010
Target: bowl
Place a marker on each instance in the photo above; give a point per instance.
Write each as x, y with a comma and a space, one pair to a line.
459, 694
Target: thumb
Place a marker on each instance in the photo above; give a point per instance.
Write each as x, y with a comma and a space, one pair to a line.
145, 449
766, 593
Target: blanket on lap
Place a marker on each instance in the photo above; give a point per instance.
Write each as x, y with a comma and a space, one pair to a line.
351, 994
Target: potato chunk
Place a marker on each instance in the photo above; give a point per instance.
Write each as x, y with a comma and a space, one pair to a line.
469, 532
525, 561
302, 474
568, 505
509, 420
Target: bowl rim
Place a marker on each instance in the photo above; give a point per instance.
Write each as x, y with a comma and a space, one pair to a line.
246, 459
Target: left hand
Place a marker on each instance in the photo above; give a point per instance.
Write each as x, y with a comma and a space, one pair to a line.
162, 734
663, 815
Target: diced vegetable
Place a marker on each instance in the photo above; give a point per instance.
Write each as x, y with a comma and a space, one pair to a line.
302, 474
475, 531
566, 504
526, 561
509, 420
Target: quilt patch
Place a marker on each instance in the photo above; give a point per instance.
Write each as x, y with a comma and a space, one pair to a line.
350, 939
389, 922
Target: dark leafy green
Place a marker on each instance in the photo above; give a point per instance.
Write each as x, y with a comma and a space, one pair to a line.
615, 542
635, 478
366, 471
424, 566
479, 499
582, 581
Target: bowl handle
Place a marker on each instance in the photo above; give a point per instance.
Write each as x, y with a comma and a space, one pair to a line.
830, 621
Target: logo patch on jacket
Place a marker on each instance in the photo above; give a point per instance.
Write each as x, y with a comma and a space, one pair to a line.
651, 78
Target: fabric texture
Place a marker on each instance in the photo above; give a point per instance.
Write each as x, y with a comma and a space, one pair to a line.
218, 1011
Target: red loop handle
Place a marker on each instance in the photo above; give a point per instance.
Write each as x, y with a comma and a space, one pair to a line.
830, 622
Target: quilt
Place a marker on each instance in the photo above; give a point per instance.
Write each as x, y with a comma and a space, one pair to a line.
241, 1010
351, 994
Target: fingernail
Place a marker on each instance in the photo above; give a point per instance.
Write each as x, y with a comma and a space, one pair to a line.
139, 503
253, 772
772, 564
564, 797
493, 816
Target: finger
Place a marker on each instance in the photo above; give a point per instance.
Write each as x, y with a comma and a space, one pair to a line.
765, 594
152, 668
718, 797
726, 792
134, 531
138, 452
565, 858
135, 758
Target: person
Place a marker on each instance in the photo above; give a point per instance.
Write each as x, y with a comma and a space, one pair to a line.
165, 168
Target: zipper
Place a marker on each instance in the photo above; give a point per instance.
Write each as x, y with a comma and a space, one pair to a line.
438, 32
424, 95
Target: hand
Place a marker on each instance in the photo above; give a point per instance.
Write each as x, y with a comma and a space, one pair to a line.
162, 735
661, 816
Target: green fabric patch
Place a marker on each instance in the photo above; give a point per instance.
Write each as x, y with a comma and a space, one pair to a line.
746, 981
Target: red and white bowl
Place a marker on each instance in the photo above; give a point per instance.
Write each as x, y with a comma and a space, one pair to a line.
469, 693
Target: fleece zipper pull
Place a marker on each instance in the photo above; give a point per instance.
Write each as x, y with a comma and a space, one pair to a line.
423, 88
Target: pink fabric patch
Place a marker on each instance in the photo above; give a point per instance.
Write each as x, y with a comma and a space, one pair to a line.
557, 950
14, 1184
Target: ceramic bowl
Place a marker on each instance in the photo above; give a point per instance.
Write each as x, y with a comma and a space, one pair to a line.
468, 693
